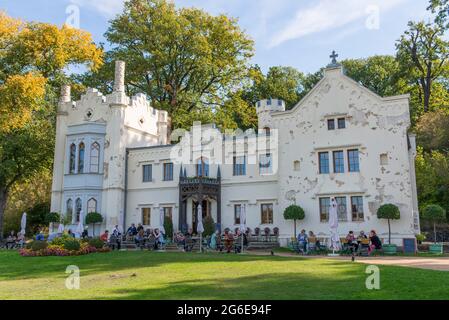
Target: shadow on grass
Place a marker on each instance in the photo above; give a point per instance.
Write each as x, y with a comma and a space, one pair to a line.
279, 286
14, 267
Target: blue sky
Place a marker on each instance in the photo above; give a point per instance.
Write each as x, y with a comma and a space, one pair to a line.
298, 33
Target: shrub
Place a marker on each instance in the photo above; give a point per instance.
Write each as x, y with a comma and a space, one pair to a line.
96, 243
390, 212
38, 245
209, 226
434, 214
72, 245
168, 226
94, 217
59, 241
52, 217
294, 213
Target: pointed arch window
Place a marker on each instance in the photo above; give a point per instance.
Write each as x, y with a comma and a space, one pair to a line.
81, 152
78, 208
72, 158
202, 167
69, 210
91, 205
95, 157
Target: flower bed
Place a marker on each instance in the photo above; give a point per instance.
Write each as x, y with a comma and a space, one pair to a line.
56, 249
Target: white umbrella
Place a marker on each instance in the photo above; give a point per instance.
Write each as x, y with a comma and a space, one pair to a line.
333, 225
161, 220
243, 221
23, 223
120, 222
80, 227
61, 228
199, 226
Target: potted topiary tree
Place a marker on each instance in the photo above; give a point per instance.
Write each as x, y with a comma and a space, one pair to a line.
51, 218
209, 226
93, 218
390, 212
434, 214
294, 213
168, 226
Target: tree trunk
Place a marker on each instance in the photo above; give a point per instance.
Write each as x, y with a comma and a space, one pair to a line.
389, 232
435, 233
294, 223
3, 200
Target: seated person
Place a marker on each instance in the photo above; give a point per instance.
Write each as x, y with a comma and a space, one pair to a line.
313, 241
105, 236
139, 227
40, 236
140, 238
302, 241
228, 240
85, 234
213, 240
11, 240
132, 230
158, 239
180, 240
361, 236
70, 233
375, 243
20, 239
352, 242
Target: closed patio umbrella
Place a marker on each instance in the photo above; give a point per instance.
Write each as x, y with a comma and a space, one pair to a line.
61, 228
161, 220
199, 226
243, 221
80, 226
333, 225
23, 223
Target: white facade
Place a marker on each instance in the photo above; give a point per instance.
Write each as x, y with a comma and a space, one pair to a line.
370, 162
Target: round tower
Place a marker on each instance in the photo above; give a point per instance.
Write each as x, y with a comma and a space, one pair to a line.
264, 108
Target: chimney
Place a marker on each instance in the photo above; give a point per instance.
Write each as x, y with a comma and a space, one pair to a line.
119, 79
65, 94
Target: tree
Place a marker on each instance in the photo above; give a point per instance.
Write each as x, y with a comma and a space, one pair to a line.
423, 54
441, 8
209, 226
432, 178
433, 130
294, 213
33, 57
389, 212
36, 217
168, 226
434, 214
378, 73
185, 60
94, 218
52, 217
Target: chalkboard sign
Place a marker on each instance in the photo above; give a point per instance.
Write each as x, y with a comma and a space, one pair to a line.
409, 245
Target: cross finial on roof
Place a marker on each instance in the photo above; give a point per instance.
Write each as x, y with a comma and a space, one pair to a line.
334, 56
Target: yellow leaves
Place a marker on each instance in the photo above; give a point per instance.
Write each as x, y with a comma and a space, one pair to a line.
9, 27
20, 96
53, 48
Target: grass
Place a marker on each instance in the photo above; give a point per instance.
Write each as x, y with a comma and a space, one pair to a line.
152, 275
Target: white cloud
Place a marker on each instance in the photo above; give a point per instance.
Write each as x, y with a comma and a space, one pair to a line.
328, 14
108, 8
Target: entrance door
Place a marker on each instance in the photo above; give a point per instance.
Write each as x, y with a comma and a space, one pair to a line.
206, 212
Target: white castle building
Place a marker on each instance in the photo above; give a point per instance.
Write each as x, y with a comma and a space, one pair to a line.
113, 156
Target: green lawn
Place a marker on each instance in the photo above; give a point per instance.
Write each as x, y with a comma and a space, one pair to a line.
150, 275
